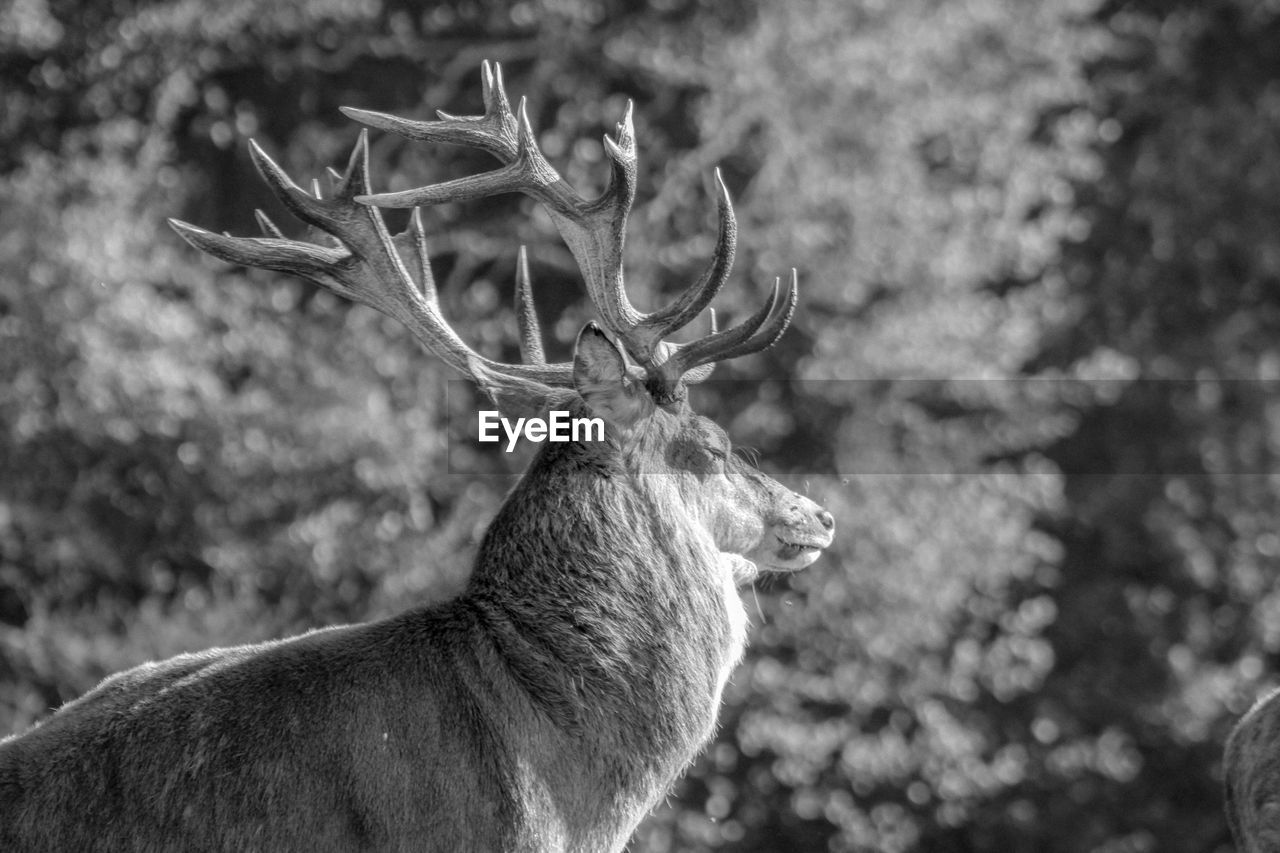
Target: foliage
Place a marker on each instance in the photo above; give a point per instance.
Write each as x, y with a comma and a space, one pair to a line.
1031, 373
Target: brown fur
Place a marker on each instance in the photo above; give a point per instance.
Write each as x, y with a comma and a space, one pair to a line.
547, 708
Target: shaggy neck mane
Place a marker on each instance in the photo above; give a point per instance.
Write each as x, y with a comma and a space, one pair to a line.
605, 603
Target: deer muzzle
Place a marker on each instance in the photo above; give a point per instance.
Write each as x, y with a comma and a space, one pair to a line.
796, 537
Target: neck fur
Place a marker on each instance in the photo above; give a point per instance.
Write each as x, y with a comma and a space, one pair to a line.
608, 606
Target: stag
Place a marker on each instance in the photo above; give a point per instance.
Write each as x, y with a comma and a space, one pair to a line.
551, 704
1251, 771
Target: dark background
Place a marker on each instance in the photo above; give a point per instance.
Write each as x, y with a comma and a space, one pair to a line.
1052, 591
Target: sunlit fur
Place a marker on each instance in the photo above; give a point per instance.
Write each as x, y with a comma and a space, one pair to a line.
547, 708
1251, 769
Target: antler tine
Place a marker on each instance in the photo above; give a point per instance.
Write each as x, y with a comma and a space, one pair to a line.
530, 331
497, 131
692, 302
411, 243
366, 266
758, 332
645, 339
268, 227
288, 256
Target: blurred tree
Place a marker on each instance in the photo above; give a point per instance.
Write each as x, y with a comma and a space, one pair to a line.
1169, 547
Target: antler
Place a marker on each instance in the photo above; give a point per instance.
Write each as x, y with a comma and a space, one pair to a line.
363, 262
595, 232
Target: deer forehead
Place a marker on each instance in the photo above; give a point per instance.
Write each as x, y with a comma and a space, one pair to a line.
682, 425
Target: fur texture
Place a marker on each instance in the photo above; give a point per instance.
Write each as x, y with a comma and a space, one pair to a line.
1251, 768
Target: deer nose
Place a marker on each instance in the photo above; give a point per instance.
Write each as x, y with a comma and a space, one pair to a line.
826, 519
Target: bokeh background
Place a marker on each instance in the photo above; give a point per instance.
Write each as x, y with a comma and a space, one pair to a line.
1035, 373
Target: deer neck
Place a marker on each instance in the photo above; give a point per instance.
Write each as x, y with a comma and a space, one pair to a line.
611, 611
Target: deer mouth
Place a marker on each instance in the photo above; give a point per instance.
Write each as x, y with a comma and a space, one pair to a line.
792, 551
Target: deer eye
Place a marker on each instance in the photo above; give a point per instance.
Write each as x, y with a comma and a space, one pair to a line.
717, 455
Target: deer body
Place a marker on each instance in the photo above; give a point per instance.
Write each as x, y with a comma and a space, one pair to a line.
548, 707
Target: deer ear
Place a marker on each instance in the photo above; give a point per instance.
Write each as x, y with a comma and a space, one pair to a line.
600, 376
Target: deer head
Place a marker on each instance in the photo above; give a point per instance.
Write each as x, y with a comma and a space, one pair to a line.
639, 388
552, 703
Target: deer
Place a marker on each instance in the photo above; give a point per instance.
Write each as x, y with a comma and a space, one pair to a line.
554, 701
1251, 777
